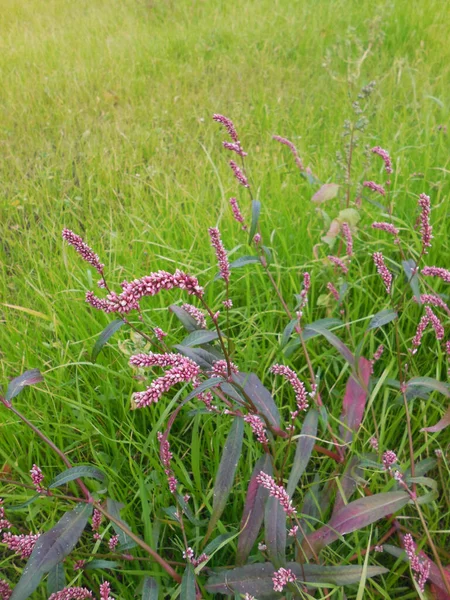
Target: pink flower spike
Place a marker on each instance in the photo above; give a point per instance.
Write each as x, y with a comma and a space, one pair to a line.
72, 593
5, 590
228, 303
383, 271
220, 369
4, 523
425, 227
98, 303
435, 301
384, 154
235, 147
435, 323
348, 238
97, 518
37, 478
160, 334
20, 544
257, 425
276, 491
375, 187
79, 565
437, 272
257, 238
417, 339
105, 590
196, 313
389, 459
299, 389
339, 263
374, 443
83, 249
228, 124
388, 227
221, 254
237, 212
113, 542
239, 174
333, 291
292, 148
281, 578
419, 565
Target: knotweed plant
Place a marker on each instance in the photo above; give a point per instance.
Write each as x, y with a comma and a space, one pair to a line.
291, 527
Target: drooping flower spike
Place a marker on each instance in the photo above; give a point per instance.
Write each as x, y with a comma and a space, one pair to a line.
83, 249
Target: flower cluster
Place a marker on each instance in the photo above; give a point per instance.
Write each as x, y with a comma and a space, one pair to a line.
299, 389
276, 491
220, 369
388, 227
374, 443
420, 566
83, 249
221, 253
383, 271
237, 213
72, 593
339, 263
228, 124
377, 355
189, 555
166, 456
97, 518
292, 148
348, 238
375, 187
333, 291
425, 227
281, 578
427, 319
20, 544
114, 540
257, 425
384, 154
304, 293
435, 301
5, 590
160, 334
37, 478
4, 523
389, 459
195, 313
239, 174
443, 274
105, 590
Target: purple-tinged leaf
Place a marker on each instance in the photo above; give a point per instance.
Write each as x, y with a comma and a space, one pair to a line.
253, 514
440, 425
205, 359
188, 591
114, 508
76, 473
256, 210
382, 318
327, 192
348, 483
256, 579
188, 321
354, 516
305, 445
275, 531
355, 400
201, 336
16, 385
150, 589
108, 332
56, 580
260, 396
226, 472
429, 383
334, 341
51, 548
212, 382
412, 277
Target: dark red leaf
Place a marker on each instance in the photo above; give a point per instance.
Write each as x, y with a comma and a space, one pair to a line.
355, 399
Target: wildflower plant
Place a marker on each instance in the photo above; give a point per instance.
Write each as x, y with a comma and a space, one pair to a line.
282, 543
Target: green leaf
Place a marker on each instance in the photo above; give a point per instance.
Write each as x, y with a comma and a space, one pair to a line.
333, 340
107, 333
288, 330
150, 589
382, 318
226, 472
99, 563
305, 445
77, 473
56, 580
201, 336
256, 209
18, 383
309, 332
188, 591
409, 267
51, 548
188, 321
12, 507
244, 260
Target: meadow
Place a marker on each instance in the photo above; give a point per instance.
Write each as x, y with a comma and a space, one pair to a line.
106, 128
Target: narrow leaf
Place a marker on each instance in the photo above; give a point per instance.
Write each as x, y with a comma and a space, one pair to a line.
51, 548
275, 531
334, 341
256, 209
256, 579
309, 332
348, 483
355, 400
150, 589
56, 580
201, 336
111, 565
114, 509
227, 469
204, 358
304, 449
253, 513
260, 396
288, 330
441, 424
17, 384
108, 332
244, 260
188, 321
76, 473
188, 584
205, 385
429, 383
409, 267
382, 318
327, 192
354, 516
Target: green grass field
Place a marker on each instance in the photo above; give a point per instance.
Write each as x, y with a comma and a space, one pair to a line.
105, 128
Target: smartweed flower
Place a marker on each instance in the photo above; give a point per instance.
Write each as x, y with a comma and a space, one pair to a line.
228, 124
20, 544
383, 271
425, 227
276, 491
83, 249
196, 313
237, 212
384, 154
37, 478
435, 301
292, 148
333, 291
105, 590
299, 389
420, 566
388, 227
281, 578
348, 238
339, 263
375, 187
72, 593
443, 274
221, 253
5, 590
257, 425
389, 459
239, 174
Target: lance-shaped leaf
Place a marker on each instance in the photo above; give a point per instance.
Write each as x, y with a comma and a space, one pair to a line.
56, 580
260, 396
430, 384
107, 333
201, 336
305, 445
99, 563
275, 531
382, 318
150, 589
51, 548
187, 320
309, 332
355, 400
188, 591
18, 383
226, 472
212, 382
256, 579
114, 508
204, 358
412, 276
244, 260
441, 424
76, 473
288, 330
256, 209
347, 484
354, 516
334, 341
253, 513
